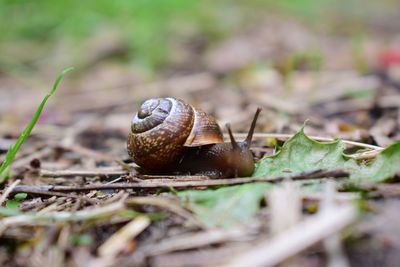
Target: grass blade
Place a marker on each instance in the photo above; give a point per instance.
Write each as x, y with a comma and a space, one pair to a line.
21, 139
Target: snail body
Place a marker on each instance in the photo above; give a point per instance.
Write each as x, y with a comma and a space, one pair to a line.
169, 136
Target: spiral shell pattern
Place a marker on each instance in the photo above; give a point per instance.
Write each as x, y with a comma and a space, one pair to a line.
163, 127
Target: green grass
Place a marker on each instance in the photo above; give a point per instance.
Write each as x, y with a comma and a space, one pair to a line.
149, 28
146, 26
4, 174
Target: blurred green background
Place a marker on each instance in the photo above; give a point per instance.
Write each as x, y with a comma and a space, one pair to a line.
53, 34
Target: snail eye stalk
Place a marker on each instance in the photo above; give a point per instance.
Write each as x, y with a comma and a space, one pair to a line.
249, 137
235, 145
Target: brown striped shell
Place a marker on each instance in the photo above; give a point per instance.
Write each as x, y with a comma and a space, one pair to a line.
162, 129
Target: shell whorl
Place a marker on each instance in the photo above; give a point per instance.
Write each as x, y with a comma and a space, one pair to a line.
158, 132
163, 127
152, 113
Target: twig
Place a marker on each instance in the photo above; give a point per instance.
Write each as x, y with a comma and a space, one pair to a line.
115, 172
343, 197
18, 218
39, 192
85, 173
174, 177
194, 240
115, 180
69, 143
365, 155
8, 191
285, 206
332, 244
84, 151
95, 154
273, 251
156, 183
317, 138
116, 243
208, 256
165, 204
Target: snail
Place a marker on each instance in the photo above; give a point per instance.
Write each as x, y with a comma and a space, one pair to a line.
169, 136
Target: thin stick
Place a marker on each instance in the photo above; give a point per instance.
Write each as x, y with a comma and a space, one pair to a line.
333, 244
85, 173
273, 251
174, 177
194, 240
164, 203
156, 183
40, 192
317, 138
95, 154
116, 243
18, 218
8, 191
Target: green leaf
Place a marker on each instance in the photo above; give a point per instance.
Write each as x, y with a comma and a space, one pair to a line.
81, 240
227, 206
12, 204
385, 166
302, 154
20, 196
21, 139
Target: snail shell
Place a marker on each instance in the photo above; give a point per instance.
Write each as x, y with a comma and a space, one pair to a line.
163, 127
